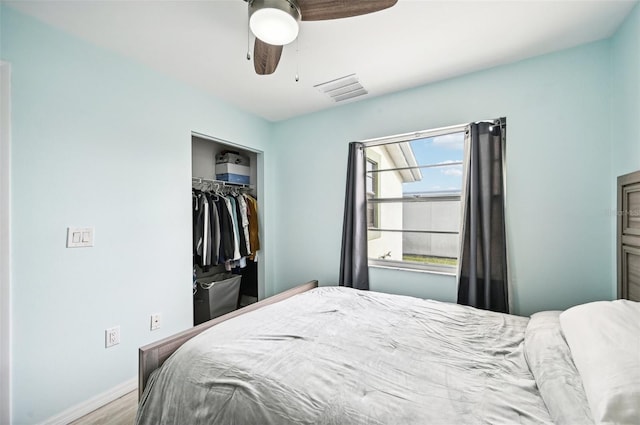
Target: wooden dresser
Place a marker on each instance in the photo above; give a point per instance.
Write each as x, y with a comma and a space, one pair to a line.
628, 242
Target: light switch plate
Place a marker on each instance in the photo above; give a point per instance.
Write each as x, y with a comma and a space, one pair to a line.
79, 237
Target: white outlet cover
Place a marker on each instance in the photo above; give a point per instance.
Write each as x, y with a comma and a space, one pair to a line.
155, 321
112, 336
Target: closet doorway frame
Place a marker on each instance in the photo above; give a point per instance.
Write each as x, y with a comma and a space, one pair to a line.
260, 191
5, 242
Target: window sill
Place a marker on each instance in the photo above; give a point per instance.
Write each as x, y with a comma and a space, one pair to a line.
405, 267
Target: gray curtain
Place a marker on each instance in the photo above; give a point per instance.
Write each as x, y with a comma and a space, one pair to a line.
482, 274
354, 270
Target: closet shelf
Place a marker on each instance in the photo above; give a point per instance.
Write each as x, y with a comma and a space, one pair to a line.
222, 183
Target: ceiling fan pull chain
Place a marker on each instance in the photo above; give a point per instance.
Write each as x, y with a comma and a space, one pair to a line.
248, 35
297, 58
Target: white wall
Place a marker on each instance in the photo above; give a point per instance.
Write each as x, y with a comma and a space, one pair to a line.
100, 141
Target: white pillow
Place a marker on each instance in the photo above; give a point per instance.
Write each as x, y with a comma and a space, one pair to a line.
604, 338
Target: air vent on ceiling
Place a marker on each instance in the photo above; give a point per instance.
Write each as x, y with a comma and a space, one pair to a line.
342, 88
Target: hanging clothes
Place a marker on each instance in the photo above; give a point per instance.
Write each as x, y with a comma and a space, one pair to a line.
230, 203
201, 231
226, 232
242, 242
206, 234
244, 218
194, 219
214, 227
252, 214
225, 229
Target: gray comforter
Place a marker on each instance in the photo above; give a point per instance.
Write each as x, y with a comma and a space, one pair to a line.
338, 356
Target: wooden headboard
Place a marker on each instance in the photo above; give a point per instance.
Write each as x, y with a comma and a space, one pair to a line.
151, 356
628, 243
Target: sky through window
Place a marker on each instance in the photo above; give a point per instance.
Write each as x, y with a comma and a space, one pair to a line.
438, 150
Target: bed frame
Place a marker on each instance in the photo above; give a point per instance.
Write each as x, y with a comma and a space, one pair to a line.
151, 356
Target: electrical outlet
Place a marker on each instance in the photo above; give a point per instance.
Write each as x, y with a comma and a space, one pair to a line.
112, 336
155, 321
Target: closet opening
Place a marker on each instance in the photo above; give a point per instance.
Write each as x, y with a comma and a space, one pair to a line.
228, 262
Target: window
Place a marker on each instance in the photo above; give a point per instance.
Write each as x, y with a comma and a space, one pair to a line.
372, 193
413, 200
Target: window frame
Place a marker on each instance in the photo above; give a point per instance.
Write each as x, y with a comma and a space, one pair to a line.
373, 175
374, 159
408, 137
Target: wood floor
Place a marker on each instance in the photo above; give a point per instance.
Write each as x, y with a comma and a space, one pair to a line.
119, 412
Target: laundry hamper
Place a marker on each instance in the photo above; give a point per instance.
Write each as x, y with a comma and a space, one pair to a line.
215, 295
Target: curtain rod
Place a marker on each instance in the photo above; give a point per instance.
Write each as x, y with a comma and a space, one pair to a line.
406, 137
424, 134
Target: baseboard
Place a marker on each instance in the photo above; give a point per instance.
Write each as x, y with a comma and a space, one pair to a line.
88, 406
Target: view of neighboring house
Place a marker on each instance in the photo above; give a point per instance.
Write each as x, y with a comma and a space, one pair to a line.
387, 243
411, 217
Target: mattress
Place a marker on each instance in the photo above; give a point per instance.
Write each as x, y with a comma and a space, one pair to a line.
336, 355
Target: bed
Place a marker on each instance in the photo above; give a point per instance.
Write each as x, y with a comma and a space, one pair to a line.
335, 355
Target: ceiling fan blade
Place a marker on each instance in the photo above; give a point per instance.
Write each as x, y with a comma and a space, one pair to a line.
320, 10
265, 57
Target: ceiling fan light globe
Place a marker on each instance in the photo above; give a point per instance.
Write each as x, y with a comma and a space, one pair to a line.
274, 22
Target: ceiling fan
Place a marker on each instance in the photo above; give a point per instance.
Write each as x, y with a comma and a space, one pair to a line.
275, 23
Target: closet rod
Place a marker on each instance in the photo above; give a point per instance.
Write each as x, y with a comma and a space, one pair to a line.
220, 182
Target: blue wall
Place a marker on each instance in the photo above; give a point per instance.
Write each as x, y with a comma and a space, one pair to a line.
625, 96
558, 177
99, 141
625, 106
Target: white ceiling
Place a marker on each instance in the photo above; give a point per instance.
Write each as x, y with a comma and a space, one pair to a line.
204, 43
